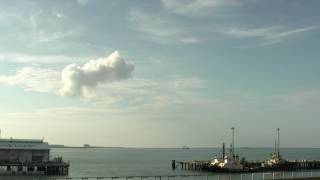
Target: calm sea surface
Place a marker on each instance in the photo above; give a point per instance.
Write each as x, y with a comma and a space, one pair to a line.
94, 162
135, 161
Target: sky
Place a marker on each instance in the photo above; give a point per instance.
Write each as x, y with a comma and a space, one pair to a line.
160, 73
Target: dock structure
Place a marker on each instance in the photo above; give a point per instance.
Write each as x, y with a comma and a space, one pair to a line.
232, 163
307, 175
190, 165
254, 166
29, 157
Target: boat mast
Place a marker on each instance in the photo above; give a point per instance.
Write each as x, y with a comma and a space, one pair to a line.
232, 141
275, 146
223, 151
278, 149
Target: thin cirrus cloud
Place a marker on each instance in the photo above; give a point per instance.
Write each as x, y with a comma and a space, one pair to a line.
197, 7
22, 58
266, 35
164, 28
160, 28
34, 79
82, 2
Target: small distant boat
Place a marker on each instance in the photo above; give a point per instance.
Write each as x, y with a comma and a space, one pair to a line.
185, 147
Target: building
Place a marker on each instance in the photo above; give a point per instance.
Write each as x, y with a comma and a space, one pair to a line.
86, 146
24, 150
29, 156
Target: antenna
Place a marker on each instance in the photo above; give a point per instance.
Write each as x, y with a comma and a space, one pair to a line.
232, 141
278, 129
223, 151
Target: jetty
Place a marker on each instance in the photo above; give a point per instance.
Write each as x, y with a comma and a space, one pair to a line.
29, 157
248, 166
233, 164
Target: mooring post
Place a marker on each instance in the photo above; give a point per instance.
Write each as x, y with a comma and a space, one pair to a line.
173, 164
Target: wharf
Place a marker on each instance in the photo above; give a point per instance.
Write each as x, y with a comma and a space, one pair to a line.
248, 166
34, 168
233, 164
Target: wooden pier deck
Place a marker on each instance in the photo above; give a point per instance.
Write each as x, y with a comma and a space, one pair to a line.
34, 168
242, 176
249, 166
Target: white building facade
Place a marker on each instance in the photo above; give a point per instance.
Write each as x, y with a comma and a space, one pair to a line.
24, 150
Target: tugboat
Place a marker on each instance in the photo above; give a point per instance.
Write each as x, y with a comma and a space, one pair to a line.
226, 163
276, 161
232, 163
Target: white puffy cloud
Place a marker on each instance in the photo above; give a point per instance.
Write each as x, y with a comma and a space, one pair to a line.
82, 80
107, 82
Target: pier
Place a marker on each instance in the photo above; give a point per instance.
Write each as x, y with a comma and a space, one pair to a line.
253, 166
233, 164
38, 169
304, 175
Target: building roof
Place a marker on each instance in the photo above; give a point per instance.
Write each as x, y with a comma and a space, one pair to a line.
32, 144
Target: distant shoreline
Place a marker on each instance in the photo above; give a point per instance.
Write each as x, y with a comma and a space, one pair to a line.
304, 178
81, 147
62, 146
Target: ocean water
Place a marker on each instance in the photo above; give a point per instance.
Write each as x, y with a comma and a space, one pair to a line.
157, 161
99, 162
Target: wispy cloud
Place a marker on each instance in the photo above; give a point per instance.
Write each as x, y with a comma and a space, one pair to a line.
266, 35
197, 7
160, 28
136, 93
82, 2
34, 79
48, 28
37, 59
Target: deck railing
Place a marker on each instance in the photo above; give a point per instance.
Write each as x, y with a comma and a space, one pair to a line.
217, 176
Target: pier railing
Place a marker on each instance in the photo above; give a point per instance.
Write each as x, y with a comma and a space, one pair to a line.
217, 176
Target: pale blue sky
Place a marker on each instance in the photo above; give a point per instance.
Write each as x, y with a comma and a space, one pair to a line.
189, 70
